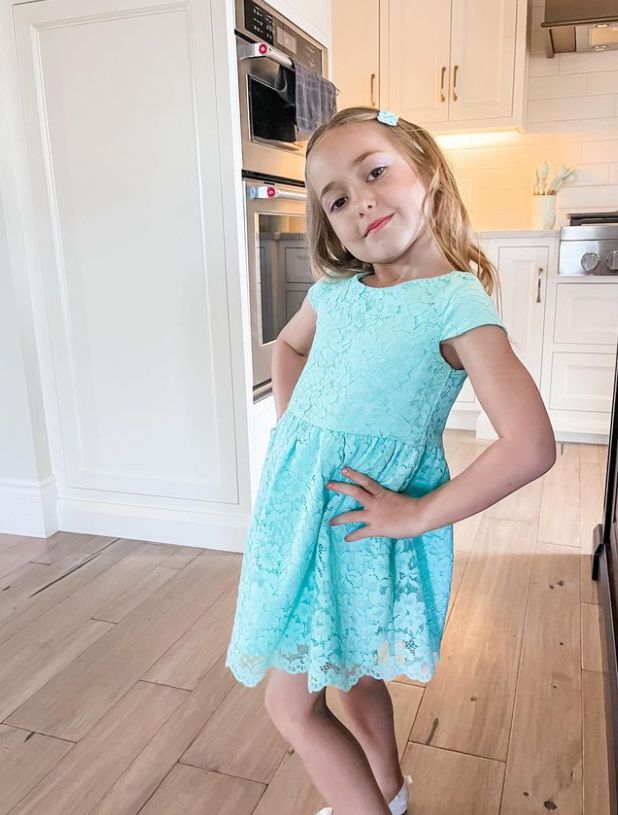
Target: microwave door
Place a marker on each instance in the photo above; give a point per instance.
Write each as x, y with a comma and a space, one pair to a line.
279, 271
269, 142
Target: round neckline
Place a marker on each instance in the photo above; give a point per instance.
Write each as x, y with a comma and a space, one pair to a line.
358, 275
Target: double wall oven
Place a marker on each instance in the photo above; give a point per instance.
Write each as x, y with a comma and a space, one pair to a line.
273, 161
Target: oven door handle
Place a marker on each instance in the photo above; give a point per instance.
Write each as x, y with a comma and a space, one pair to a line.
270, 191
262, 49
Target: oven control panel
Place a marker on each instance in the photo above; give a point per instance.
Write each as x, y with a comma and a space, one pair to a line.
268, 27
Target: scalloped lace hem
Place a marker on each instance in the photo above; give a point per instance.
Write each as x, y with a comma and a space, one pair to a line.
331, 678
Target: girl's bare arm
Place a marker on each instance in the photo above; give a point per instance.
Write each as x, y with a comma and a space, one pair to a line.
290, 353
526, 447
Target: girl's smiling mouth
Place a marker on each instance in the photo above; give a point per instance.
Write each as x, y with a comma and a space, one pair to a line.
376, 226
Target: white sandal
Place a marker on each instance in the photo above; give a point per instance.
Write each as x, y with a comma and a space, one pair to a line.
398, 806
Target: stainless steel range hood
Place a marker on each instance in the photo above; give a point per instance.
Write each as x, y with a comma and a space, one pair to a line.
580, 25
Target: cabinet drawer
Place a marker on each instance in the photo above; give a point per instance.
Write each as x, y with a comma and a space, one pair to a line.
587, 313
582, 381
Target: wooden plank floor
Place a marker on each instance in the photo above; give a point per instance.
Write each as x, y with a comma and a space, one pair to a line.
114, 697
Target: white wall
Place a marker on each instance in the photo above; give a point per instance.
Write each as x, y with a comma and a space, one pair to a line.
27, 504
16, 453
572, 119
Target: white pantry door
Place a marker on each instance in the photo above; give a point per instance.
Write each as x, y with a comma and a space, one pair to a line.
120, 111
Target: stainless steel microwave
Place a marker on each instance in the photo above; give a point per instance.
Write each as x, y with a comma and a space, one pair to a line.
265, 43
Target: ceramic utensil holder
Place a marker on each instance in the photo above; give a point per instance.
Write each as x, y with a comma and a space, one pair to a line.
543, 211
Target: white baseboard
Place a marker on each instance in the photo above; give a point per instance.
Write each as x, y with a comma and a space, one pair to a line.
226, 533
28, 507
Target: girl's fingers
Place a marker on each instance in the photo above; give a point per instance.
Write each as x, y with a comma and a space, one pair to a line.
358, 535
369, 484
348, 489
352, 517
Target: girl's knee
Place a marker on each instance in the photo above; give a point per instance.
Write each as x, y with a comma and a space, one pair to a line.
359, 695
364, 685
289, 703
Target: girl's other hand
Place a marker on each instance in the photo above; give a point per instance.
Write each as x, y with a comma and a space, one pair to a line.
385, 513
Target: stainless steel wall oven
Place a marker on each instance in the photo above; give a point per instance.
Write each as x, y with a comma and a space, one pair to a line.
273, 161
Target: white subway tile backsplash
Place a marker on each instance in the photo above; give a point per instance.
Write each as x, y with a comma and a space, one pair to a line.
572, 120
598, 196
588, 128
559, 85
500, 219
599, 151
540, 65
582, 107
603, 82
587, 175
499, 178
485, 199
579, 62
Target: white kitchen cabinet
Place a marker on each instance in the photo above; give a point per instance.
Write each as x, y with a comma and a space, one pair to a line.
128, 127
523, 265
415, 58
522, 271
579, 355
454, 64
356, 52
565, 331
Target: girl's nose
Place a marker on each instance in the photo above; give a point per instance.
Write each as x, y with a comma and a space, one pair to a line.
366, 206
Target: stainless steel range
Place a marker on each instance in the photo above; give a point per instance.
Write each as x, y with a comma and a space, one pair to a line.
589, 245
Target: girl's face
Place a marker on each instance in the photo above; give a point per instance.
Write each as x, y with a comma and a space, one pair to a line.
359, 176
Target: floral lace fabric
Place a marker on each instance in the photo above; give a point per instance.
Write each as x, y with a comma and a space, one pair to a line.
375, 394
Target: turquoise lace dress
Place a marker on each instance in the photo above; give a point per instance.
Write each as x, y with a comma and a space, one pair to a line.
375, 394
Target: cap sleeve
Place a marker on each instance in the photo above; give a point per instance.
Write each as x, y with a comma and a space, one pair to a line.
468, 306
315, 293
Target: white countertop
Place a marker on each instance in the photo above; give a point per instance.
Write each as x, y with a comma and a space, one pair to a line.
518, 233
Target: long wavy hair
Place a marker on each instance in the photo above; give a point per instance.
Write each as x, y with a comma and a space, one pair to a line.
444, 211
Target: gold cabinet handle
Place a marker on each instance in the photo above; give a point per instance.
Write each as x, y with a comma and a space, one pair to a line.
443, 72
371, 90
538, 284
455, 83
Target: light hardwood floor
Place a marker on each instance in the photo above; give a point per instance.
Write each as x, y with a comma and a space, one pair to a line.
115, 699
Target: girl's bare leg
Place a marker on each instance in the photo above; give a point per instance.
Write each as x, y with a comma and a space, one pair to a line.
333, 758
369, 713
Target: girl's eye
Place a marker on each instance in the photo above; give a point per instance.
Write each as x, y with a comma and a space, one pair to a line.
333, 207
375, 170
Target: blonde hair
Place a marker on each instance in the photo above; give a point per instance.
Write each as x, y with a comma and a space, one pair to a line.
444, 211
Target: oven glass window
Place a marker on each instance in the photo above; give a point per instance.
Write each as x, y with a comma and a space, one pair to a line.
284, 270
271, 116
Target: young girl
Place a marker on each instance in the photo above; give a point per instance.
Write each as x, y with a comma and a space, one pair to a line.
346, 574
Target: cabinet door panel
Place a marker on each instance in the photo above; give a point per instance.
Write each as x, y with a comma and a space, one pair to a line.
118, 101
582, 382
416, 47
356, 52
587, 313
523, 279
482, 59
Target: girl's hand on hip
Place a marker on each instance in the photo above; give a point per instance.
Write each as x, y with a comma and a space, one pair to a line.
385, 513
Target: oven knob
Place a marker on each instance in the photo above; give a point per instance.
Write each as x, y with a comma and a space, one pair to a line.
612, 261
589, 261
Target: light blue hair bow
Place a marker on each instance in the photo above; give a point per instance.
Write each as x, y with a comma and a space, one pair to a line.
388, 118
